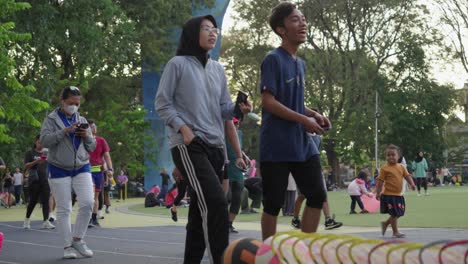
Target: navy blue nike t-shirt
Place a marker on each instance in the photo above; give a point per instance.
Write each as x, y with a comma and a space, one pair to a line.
280, 140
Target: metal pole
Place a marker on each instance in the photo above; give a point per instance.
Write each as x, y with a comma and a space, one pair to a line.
376, 129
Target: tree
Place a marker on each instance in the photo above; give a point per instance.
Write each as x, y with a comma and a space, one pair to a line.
356, 42
17, 106
354, 50
120, 120
242, 51
455, 15
96, 45
155, 23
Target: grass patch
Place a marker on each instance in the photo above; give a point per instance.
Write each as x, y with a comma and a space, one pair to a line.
445, 207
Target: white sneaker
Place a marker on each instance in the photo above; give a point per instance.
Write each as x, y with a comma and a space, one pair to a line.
100, 215
27, 223
47, 225
52, 217
81, 247
69, 253
427, 194
419, 194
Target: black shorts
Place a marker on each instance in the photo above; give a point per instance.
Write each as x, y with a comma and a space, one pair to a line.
308, 178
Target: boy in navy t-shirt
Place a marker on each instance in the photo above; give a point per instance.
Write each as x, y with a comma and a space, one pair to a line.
284, 145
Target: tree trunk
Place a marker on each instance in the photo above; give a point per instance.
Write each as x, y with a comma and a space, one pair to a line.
332, 158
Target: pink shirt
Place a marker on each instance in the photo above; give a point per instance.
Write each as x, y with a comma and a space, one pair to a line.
357, 187
95, 157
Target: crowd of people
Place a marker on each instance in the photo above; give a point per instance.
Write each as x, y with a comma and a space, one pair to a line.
69, 161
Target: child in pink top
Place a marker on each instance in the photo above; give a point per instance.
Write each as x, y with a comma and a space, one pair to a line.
357, 188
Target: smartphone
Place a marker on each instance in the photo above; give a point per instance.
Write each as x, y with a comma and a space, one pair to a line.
83, 126
241, 98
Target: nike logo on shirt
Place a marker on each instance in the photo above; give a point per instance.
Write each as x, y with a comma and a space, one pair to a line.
290, 80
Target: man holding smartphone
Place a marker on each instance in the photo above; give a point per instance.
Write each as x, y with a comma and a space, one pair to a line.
284, 145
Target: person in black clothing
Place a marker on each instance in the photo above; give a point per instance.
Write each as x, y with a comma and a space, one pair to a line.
26, 187
253, 190
164, 185
7, 189
39, 190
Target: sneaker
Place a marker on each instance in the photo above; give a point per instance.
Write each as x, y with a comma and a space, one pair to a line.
427, 194
27, 223
296, 222
364, 211
90, 224
399, 235
252, 211
232, 230
52, 217
173, 215
352, 212
69, 253
419, 194
81, 247
47, 225
332, 224
100, 215
95, 223
107, 210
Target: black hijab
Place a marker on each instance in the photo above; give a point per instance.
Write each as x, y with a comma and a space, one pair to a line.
189, 42
418, 158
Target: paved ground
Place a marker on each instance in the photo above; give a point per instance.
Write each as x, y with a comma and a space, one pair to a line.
137, 238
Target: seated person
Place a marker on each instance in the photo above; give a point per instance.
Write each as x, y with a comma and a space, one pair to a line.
253, 190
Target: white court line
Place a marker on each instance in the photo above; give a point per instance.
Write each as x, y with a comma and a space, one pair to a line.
104, 237
100, 251
127, 229
7, 262
147, 231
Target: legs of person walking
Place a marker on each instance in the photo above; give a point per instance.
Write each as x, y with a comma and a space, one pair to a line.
26, 195
61, 189
83, 187
418, 185
34, 190
208, 219
236, 194
424, 184
309, 180
359, 202
353, 204
18, 194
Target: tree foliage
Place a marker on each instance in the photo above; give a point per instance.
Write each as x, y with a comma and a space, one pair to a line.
455, 15
354, 50
17, 106
96, 45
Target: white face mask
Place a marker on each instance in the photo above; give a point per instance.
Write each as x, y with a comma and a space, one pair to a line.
70, 109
